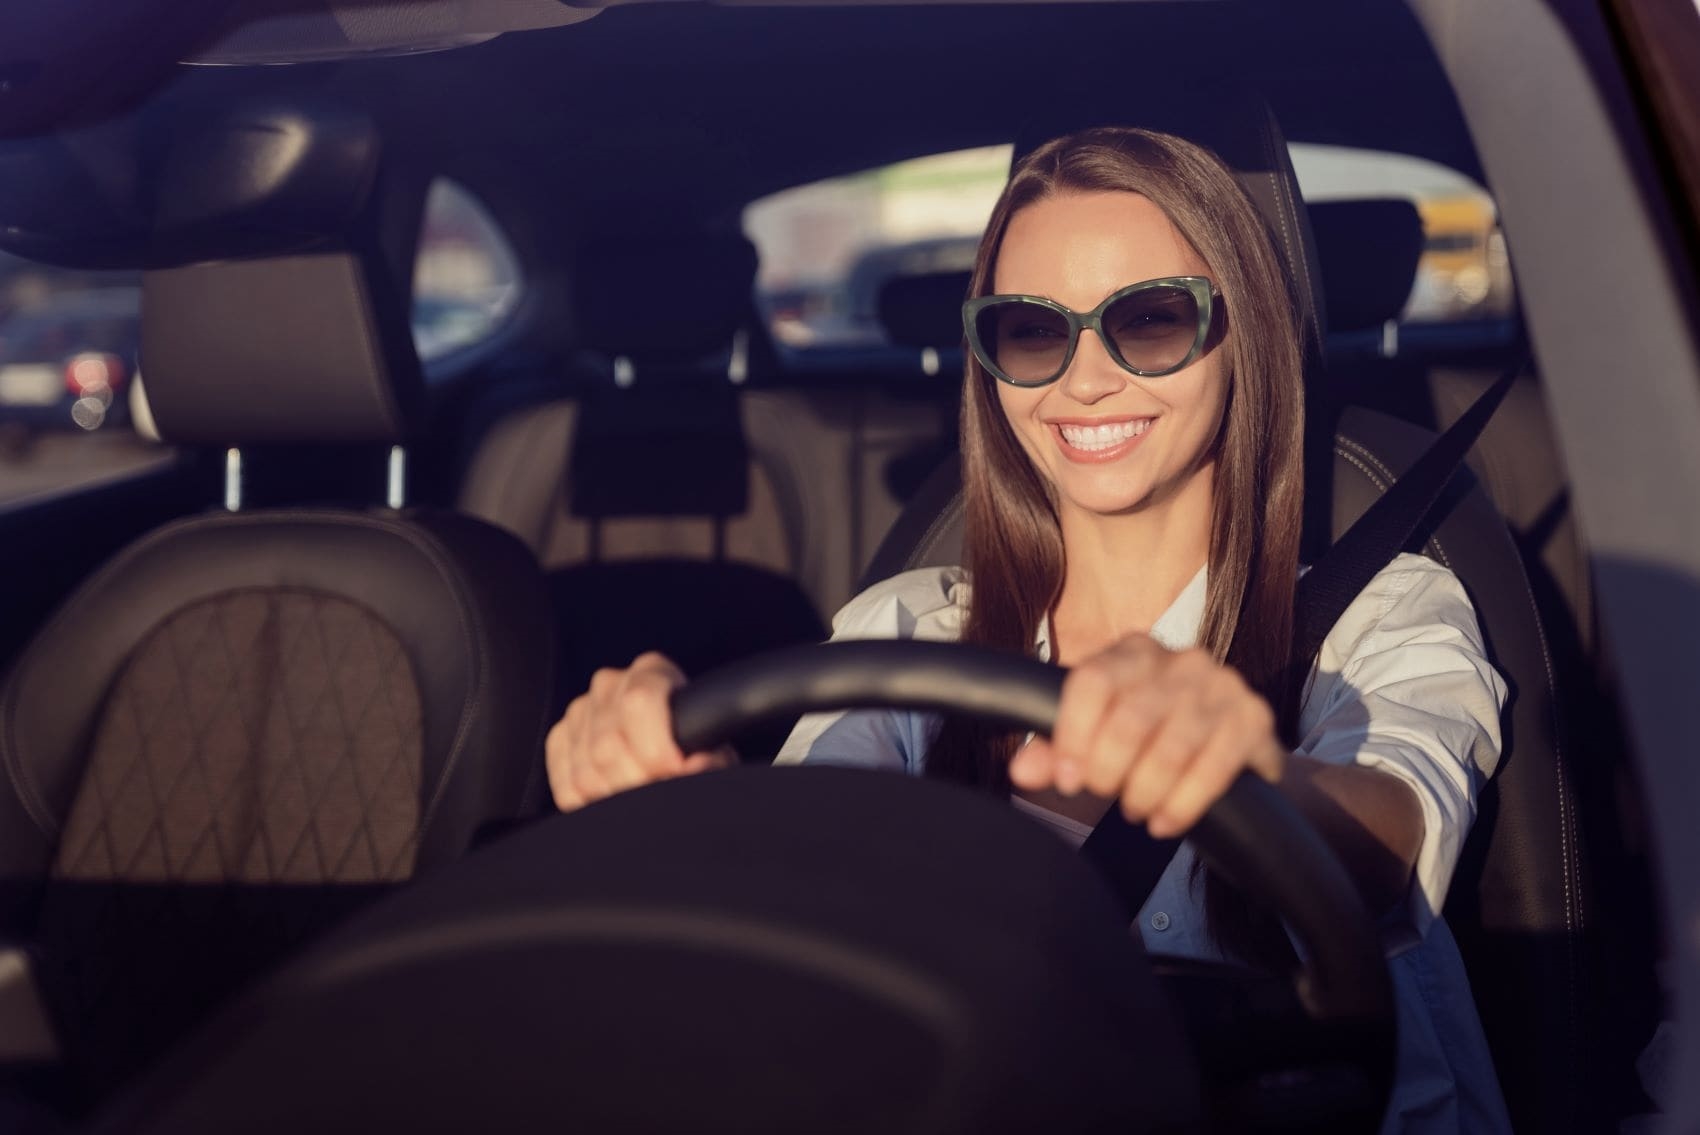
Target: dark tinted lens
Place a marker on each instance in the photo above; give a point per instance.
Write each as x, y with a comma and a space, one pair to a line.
1153, 329
1027, 341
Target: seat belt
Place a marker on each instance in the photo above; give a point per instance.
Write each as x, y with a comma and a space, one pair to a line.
1130, 859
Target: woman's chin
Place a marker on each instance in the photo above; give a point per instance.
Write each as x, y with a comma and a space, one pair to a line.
1106, 500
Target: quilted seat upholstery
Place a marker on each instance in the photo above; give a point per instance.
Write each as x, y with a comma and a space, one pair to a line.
258, 737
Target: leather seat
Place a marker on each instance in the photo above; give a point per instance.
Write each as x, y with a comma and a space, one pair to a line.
666, 527
831, 460
1522, 901
250, 722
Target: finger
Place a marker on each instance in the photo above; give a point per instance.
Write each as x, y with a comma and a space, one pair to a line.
1122, 736
646, 720
1033, 768
1167, 753
1087, 694
1269, 755
707, 762
557, 757
604, 682
1217, 765
612, 755
586, 779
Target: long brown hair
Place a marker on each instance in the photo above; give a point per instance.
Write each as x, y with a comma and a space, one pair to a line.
1013, 546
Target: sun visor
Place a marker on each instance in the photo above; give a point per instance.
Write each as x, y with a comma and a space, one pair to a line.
275, 32
155, 191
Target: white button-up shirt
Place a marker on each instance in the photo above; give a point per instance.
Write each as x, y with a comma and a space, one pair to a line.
1402, 684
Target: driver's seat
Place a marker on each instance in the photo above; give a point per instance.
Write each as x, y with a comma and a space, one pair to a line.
1519, 901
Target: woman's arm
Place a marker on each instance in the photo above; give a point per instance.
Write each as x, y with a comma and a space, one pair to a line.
1400, 728
1371, 819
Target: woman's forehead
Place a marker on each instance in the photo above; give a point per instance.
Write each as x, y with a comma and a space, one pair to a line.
1077, 248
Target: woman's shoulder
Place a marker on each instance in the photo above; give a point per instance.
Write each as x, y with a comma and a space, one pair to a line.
1413, 598
927, 603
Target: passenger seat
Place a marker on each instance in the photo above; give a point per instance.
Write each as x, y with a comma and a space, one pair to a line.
250, 722
664, 527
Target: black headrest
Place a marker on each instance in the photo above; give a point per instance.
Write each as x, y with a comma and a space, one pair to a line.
672, 298
924, 310
1239, 127
307, 348
1369, 252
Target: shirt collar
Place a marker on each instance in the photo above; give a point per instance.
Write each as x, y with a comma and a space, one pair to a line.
1176, 628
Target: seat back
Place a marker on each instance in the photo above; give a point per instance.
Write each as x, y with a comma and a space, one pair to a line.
1521, 897
248, 722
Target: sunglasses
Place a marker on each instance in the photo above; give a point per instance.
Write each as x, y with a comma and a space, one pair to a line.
1152, 328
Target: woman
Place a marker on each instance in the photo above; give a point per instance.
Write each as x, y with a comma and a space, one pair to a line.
1131, 462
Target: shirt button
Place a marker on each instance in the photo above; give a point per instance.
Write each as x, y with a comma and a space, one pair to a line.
1159, 921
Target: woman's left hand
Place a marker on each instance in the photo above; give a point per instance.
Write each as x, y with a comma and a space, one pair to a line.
1164, 732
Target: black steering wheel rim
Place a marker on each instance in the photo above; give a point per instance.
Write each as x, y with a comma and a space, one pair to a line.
1252, 834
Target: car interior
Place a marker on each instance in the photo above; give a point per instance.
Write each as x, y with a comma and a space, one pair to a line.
307, 664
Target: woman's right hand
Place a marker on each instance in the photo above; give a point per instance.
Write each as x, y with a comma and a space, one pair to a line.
619, 735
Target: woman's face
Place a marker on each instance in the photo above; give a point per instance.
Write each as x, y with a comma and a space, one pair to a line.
1076, 249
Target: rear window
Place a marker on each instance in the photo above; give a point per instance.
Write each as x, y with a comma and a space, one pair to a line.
827, 247
1465, 271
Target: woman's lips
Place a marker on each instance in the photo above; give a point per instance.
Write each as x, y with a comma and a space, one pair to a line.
1093, 443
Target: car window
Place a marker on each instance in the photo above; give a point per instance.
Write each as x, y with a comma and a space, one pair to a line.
466, 280
827, 247
70, 391
1465, 271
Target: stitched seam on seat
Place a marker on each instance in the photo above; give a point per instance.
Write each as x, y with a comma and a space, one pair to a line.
1575, 918
1574, 915
473, 634
934, 530
1295, 256
1384, 483
29, 794
429, 546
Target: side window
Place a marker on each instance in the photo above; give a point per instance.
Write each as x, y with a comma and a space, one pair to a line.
466, 280
826, 248
1464, 275
71, 406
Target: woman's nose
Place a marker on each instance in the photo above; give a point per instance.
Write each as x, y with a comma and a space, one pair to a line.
1092, 374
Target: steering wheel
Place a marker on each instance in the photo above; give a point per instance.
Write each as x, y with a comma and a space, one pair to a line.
671, 911
1252, 834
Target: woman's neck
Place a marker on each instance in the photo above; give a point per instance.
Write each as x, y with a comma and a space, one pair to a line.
1125, 570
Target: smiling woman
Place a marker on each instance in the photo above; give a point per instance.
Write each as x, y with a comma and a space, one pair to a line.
1139, 524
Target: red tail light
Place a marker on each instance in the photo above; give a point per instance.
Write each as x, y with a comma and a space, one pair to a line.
91, 372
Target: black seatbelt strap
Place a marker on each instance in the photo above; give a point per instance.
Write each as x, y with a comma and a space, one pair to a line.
1369, 545
1131, 860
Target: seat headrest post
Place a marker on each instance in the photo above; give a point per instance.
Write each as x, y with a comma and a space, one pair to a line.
233, 480
396, 491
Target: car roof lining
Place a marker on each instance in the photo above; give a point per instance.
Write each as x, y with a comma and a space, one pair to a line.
656, 119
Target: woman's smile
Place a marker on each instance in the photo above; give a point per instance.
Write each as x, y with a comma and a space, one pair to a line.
1099, 440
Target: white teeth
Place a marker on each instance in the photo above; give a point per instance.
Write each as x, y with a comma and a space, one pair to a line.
1105, 436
